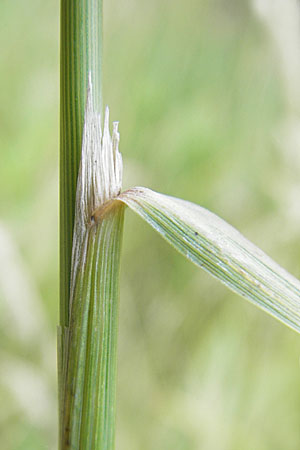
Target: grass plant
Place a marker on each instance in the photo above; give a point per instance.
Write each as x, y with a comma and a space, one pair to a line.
91, 236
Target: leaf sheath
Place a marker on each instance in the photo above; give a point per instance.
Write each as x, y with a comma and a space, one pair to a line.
89, 401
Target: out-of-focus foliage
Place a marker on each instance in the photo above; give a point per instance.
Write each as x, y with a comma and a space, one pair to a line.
29, 226
204, 103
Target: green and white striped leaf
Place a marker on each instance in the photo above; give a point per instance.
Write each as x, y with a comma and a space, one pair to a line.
221, 250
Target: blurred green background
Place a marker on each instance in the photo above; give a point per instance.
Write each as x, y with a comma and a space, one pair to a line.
208, 98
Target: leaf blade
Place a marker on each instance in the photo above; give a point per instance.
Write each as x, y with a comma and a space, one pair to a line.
221, 250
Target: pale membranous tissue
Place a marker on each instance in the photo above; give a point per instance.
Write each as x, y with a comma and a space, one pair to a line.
99, 177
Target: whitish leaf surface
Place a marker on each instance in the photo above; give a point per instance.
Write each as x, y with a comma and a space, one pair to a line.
221, 250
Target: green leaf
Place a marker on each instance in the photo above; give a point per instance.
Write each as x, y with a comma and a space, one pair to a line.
221, 250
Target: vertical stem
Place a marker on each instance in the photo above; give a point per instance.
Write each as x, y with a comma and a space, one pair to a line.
81, 53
